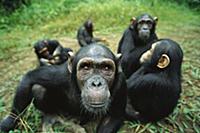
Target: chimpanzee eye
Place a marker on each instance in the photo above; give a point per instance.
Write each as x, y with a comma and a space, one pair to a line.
107, 67
149, 22
85, 66
141, 22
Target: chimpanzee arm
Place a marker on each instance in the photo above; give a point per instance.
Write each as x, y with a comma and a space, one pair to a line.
114, 119
126, 43
44, 62
22, 99
95, 39
143, 75
130, 62
135, 75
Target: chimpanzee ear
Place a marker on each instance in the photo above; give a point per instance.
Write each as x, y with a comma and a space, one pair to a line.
70, 60
118, 58
163, 61
132, 20
155, 19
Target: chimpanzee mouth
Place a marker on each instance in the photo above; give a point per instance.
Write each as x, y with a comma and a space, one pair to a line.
97, 108
145, 37
97, 104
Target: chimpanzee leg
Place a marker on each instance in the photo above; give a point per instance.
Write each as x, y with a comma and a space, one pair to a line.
109, 125
22, 99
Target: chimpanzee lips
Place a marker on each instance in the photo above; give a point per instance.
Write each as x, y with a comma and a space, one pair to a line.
97, 104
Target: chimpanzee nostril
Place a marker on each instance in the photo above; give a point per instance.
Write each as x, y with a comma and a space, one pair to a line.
99, 84
96, 84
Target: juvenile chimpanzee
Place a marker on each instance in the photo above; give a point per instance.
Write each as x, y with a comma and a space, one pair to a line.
154, 89
50, 52
135, 40
90, 85
85, 34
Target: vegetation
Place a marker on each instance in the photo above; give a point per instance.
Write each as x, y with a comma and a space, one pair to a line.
59, 19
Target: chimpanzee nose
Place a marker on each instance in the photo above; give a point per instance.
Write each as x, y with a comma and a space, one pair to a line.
96, 83
145, 28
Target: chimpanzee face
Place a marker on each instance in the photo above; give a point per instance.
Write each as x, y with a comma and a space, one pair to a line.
44, 52
95, 74
41, 49
157, 55
148, 54
145, 26
95, 77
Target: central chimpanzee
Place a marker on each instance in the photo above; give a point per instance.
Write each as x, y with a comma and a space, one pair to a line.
135, 41
85, 34
154, 89
51, 52
90, 85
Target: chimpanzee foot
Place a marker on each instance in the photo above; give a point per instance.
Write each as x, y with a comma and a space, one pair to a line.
8, 124
49, 121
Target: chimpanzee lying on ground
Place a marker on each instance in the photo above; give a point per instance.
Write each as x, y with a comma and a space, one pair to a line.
51, 52
90, 85
154, 89
85, 34
135, 41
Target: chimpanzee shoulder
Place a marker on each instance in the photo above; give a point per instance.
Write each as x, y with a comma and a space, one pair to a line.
50, 75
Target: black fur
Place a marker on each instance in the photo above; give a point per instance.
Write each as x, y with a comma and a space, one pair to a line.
132, 47
62, 94
51, 46
154, 92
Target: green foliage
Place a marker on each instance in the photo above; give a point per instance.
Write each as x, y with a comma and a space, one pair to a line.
193, 4
61, 18
44, 19
38, 12
1, 105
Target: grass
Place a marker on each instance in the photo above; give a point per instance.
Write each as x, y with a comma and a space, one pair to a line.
60, 19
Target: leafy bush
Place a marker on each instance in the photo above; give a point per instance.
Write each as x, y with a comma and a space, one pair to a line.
194, 4
10, 6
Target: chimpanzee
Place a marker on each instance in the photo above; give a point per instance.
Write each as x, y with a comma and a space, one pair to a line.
154, 89
85, 34
50, 52
135, 40
89, 85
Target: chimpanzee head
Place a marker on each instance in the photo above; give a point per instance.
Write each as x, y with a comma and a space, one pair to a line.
89, 25
164, 54
144, 26
94, 68
41, 49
